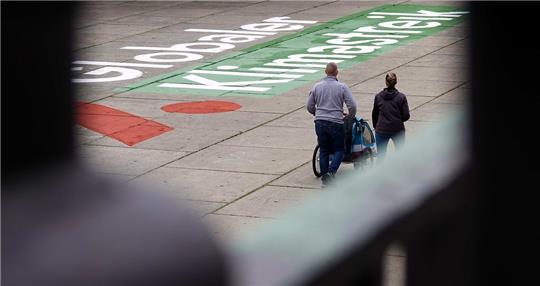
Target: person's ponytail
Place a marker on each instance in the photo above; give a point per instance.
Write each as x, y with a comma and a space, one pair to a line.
391, 80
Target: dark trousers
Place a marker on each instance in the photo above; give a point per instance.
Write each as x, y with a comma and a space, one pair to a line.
383, 138
330, 137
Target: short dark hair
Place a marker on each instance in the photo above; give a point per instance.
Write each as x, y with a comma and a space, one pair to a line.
331, 68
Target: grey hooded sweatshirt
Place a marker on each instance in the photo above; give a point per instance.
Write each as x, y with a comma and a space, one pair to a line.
326, 100
390, 110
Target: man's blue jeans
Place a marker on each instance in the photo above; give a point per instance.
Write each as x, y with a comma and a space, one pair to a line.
382, 141
331, 139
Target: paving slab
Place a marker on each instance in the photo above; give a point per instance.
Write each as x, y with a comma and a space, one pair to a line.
460, 30
364, 102
119, 178
234, 120
90, 93
408, 51
269, 202
303, 177
278, 104
184, 12
92, 39
83, 135
301, 91
205, 185
414, 127
410, 87
434, 111
431, 73
456, 96
163, 37
102, 53
151, 20
118, 29
245, 159
300, 119
163, 96
178, 139
276, 8
147, 108
229, 4
236, 20
276, 137
370, 69
436, 41
460, 49
125, 161
202, 208
439, 60
228, 229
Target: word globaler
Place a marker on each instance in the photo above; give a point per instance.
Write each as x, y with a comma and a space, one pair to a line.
164, 57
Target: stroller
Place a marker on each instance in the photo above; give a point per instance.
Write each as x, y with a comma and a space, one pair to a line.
360, 145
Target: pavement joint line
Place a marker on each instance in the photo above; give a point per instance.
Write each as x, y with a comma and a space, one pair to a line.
184, 100
435, 98
151, 30
261, 147
250, 216
136, 14
223, 171
90, 144
131, 15
292, 149
282, 126
262, 186
314, 7
281, 148
427, 96
193, 200
417, 58
295, 187
223, 140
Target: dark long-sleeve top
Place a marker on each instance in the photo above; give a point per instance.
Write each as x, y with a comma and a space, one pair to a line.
390, 111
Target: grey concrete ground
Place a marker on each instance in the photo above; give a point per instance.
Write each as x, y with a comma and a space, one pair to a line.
244, 168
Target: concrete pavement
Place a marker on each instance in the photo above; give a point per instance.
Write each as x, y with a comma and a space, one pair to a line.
242, 168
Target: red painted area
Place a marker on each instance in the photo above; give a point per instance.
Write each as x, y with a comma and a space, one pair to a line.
201, 107
122, 126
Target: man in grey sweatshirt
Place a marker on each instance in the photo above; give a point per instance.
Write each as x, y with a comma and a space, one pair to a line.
325, 101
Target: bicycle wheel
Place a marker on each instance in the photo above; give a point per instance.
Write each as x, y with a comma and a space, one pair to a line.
315, 162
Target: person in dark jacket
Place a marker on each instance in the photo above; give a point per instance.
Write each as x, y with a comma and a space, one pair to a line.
390, 111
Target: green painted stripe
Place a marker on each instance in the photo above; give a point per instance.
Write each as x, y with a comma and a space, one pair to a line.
298, 43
